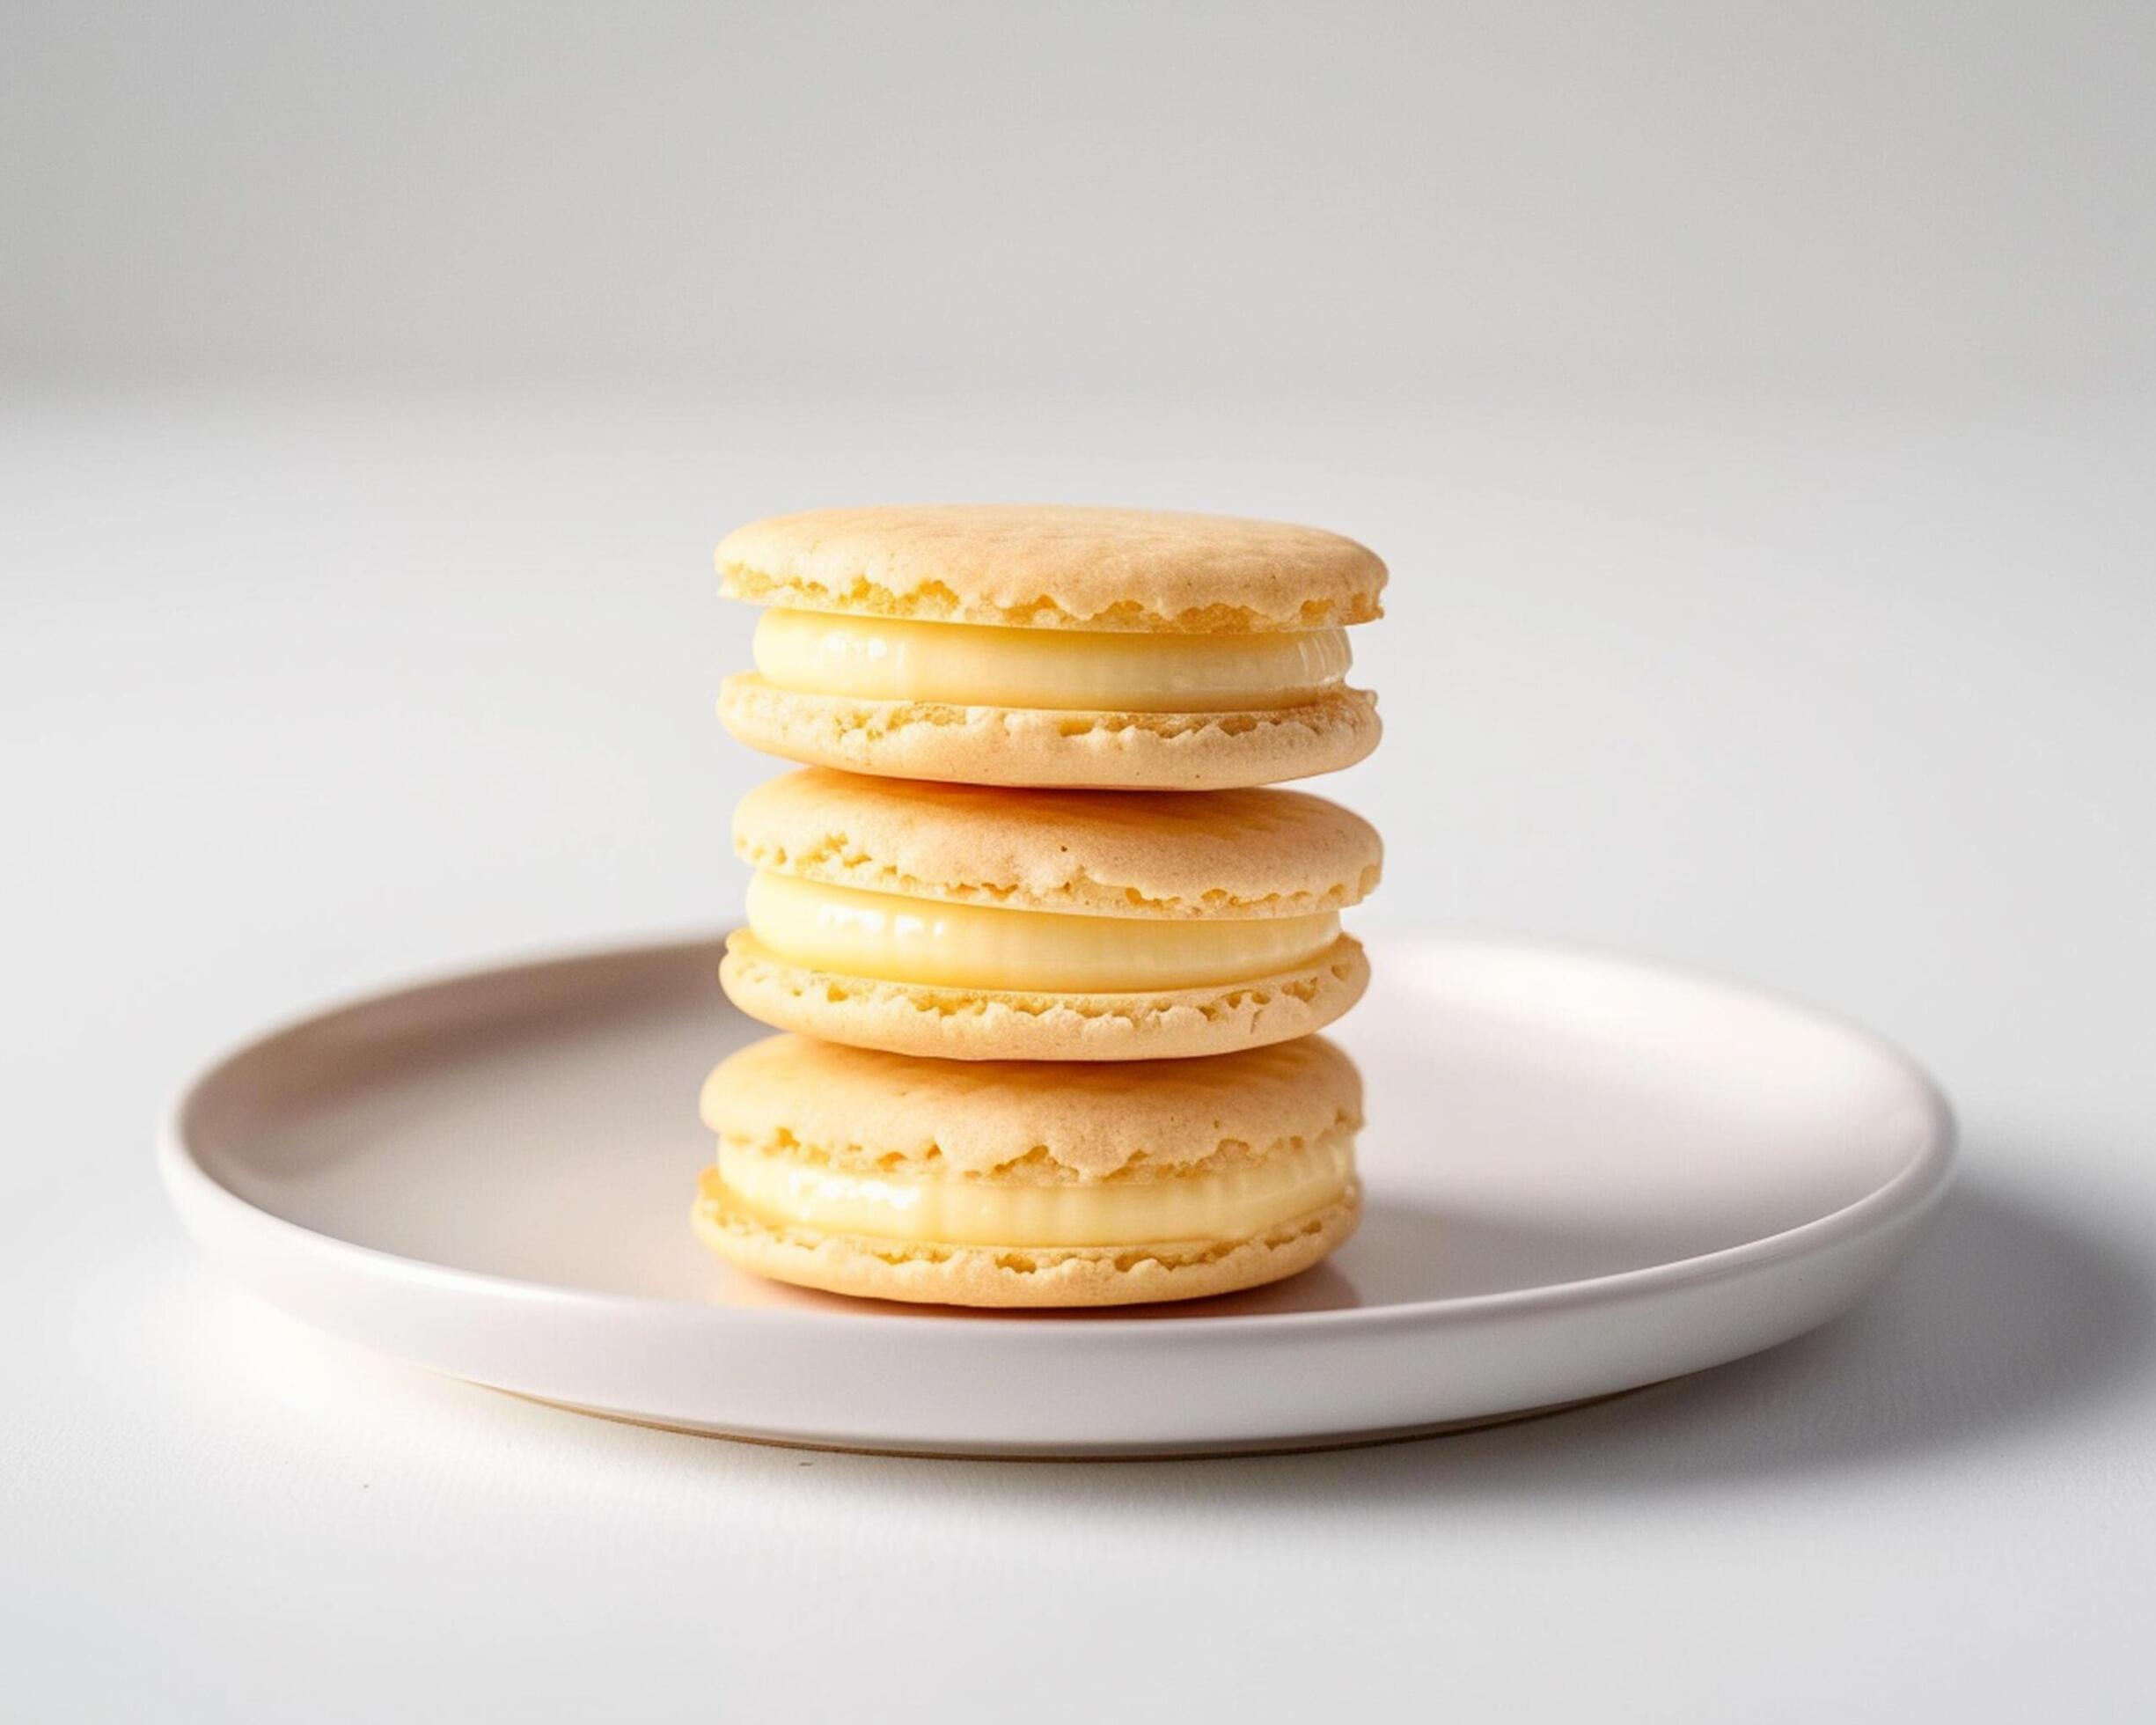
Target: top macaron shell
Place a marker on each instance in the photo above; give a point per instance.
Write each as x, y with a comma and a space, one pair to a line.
1100, 571
1055, 566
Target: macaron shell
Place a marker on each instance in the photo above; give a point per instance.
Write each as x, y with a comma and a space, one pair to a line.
1012, 1277
1029, 746
982, 1024
1142, 856
1048, 566
872, 1112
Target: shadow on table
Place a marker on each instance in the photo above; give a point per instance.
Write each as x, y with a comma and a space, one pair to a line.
2009, 1317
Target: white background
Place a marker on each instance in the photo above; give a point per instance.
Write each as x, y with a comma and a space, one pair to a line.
1758, 406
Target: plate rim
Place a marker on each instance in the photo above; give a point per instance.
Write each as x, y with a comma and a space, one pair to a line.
1902, 1198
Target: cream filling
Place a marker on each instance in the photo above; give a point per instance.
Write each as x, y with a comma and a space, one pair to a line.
893, 939
964, 664
780, 1186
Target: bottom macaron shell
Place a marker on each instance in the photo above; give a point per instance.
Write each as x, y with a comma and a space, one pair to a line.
1014, 1276
1028, 746
981, 1024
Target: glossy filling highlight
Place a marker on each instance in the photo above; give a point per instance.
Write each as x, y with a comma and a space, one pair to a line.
964, 664
889, 938
778, 1185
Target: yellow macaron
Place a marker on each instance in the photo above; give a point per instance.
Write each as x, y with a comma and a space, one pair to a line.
1008, 645
1028, 1185
981, 924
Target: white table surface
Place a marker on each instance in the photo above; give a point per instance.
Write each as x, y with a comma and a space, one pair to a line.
302, 695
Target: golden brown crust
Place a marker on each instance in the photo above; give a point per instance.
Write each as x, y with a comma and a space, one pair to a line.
1031, 746
1029, 1122
1009, 1277
1050, 566
1226, 853
981, 1025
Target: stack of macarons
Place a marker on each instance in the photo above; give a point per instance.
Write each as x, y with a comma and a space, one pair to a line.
1045, 956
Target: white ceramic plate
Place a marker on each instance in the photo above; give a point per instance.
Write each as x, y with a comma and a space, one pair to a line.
1582, 1174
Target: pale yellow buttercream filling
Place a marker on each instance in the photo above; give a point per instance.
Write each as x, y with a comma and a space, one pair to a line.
779, 1185
964, 664
890, 938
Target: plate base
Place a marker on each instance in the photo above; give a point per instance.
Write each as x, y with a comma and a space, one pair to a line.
1303, 1446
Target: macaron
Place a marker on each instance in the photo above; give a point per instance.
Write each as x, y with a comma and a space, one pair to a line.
1007, 644
1020, 1184
980, 924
